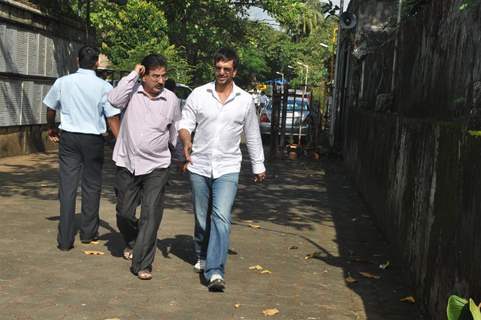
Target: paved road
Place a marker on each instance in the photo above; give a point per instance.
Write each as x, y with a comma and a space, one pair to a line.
305, 208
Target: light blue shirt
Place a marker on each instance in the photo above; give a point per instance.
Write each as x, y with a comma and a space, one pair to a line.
81, 98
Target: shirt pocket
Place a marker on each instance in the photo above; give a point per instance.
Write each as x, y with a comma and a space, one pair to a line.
157, 121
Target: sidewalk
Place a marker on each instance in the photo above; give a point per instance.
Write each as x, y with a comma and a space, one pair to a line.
305, 208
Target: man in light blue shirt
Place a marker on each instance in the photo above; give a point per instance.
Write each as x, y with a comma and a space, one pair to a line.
81, 100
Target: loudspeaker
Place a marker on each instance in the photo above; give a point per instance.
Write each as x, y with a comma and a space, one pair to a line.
348, 20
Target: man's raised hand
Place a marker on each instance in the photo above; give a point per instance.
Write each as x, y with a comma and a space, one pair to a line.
140, 69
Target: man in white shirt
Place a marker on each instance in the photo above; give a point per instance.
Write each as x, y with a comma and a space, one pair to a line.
219, 112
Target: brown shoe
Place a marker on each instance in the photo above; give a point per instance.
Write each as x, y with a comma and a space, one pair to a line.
144, 275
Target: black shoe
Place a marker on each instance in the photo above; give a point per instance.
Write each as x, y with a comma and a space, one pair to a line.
64, 248
96, 238
217, 285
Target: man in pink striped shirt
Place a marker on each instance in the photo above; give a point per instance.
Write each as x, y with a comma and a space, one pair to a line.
142, 157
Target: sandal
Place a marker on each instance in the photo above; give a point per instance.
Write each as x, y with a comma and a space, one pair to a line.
128, 254
144, 275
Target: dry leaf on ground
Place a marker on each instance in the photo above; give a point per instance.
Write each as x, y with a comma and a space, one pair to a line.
409, 299
293, 247
270, 312
237, 305
254, 226
350, 279
256, 267
369, 275
93, 252
316, 254
265, 271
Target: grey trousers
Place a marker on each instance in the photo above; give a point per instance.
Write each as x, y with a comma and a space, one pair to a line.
140, 234
81, 158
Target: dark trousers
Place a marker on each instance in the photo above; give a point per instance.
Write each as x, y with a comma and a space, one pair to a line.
81, 157
140, 234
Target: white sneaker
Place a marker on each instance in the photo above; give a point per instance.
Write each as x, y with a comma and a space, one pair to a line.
216, 283
199, 266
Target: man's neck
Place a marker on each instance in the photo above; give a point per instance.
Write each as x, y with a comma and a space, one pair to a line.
224, 88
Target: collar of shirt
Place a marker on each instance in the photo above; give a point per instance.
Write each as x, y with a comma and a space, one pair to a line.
86, 71
236, 91
161, 95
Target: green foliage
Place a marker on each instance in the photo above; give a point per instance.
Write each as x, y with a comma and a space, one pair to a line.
128, 33
189, 32
467, 4
461, 309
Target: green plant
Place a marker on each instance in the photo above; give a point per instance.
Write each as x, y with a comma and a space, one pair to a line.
466, 4
461, 309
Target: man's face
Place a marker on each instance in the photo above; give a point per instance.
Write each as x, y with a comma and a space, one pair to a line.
224, 71
154, 81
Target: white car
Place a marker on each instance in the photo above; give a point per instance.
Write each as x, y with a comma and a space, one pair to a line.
297, 114
182, 91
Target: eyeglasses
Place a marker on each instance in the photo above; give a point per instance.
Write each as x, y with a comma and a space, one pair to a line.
158, 76
226, 70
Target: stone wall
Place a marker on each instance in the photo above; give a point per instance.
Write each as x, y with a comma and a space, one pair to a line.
407, 141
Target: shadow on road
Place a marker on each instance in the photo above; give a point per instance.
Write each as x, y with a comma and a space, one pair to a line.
299, 198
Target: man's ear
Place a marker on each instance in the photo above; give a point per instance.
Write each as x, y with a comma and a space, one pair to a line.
97, 64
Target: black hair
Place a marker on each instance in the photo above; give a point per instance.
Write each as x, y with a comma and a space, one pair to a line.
153, 61
226, 54
87, 57
170, 84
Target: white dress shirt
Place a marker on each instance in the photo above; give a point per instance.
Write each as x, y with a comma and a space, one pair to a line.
218, 128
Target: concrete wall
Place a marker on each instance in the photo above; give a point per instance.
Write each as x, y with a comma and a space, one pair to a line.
35, 49
407, 142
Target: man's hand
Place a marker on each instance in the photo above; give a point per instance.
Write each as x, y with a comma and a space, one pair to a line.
140, 69
53, 135
187, 152
260, 177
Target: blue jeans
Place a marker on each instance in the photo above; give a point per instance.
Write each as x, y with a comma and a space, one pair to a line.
213, 200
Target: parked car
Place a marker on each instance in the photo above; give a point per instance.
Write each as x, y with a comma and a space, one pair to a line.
182, 91
295, 107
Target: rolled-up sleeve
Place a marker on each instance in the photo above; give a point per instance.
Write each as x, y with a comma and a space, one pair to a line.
52, 99
108, 110
254, 140
177, 115
188, 115
119, 97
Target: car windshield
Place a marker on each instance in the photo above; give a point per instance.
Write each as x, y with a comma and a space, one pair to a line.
293, 105
296, 105
182, 92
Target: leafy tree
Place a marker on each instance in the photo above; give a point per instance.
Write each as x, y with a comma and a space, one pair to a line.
128, 33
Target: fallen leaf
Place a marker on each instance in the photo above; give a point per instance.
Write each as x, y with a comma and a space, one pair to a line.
384, 266
248, 221
316, 254
350, 279
265, 271
93, 252
254, 226
237, 305
231, 252
270, 312
409, 299
256, 267
369, 275
293, 247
